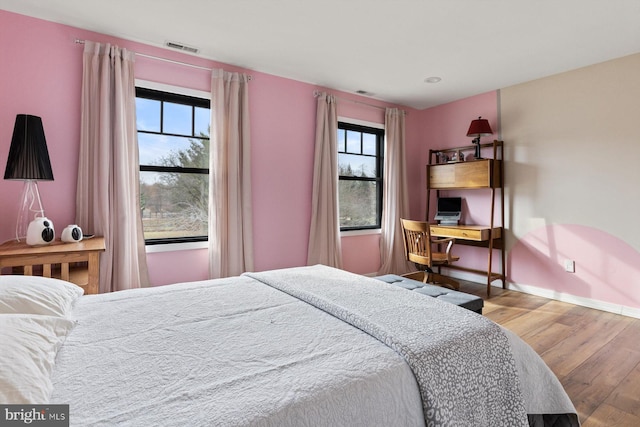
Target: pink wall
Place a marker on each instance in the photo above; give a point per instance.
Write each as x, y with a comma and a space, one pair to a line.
538, 258
43, 78
37, 78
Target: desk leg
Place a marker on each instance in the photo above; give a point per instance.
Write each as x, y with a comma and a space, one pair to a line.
93, 285
489, 270
504, 268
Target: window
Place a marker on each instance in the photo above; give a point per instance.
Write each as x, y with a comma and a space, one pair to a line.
360, 160
173, 144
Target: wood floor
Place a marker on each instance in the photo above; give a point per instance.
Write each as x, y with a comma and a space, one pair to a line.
594, 354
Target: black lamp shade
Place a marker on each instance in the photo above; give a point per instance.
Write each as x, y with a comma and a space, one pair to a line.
28, 155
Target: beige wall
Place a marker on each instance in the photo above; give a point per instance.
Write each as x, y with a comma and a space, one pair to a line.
572, 144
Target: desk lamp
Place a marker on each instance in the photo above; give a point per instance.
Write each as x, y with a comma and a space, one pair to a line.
28, 161
479, 127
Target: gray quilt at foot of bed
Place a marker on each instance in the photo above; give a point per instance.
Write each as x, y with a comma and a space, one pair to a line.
462, 362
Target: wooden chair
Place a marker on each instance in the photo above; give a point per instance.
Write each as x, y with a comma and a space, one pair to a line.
418, 249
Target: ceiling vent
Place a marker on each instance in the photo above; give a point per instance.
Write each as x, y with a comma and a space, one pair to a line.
180, 46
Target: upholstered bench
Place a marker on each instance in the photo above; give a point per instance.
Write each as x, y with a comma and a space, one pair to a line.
468, 301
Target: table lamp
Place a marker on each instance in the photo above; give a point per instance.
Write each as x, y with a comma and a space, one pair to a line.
28, 161
479, 127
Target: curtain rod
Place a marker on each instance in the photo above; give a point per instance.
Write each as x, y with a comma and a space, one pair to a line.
171, 61
317, 93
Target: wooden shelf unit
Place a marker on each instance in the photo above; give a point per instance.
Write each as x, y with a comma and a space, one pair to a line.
474, 174
77, 263
484, 173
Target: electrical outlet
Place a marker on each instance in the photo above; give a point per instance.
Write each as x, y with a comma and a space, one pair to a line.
569, 266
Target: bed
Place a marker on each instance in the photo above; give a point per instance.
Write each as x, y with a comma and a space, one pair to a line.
305, 346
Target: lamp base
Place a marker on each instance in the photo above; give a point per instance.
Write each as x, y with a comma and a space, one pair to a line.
476, 142
30, 208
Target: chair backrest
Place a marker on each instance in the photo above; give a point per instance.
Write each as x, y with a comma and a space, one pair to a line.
417, 241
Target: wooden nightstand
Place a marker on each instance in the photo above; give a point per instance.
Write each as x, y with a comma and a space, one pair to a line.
54, 261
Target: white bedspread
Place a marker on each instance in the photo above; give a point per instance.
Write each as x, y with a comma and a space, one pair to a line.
237, 352
228, 352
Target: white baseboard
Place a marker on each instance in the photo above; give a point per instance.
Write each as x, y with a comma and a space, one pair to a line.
551, 294
577, 300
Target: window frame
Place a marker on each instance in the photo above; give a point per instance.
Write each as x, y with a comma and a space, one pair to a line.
378, 130
184, 96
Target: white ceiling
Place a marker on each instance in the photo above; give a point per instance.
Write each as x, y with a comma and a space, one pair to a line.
385, 47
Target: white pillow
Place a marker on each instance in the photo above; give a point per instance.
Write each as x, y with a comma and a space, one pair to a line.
37, 295
29, 347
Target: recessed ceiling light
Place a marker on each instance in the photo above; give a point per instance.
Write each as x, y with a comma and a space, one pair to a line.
432, 79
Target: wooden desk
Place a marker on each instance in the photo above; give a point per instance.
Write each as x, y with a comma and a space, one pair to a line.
60, 255
470, 176
475, 235
478, 233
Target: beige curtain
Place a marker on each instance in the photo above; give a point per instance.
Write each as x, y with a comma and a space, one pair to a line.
230, 218
324, 233
395, 198
107, 196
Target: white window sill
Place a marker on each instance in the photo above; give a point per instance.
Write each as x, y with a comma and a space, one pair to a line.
366, 232
172, 247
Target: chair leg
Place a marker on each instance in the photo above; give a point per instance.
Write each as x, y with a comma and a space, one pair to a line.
420, 276
443, 281
433, 278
